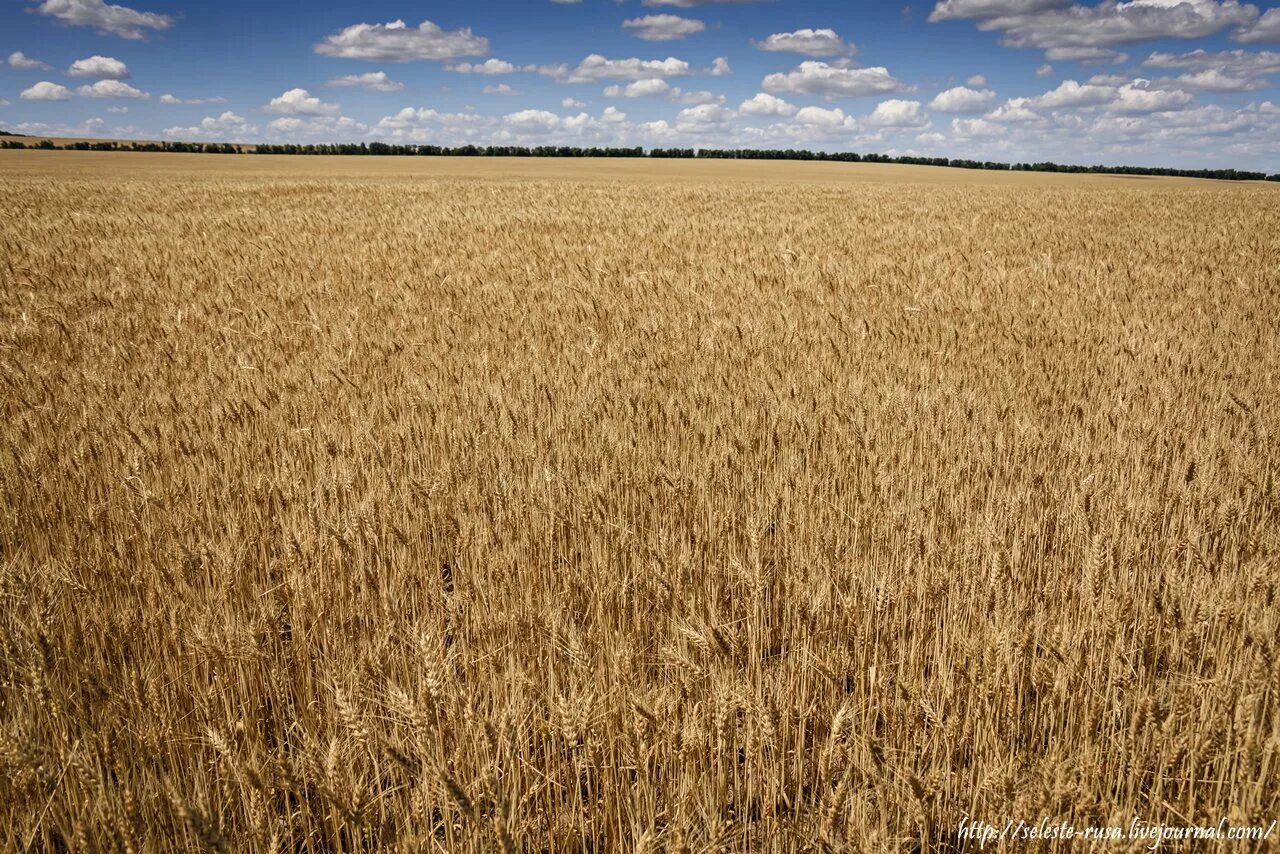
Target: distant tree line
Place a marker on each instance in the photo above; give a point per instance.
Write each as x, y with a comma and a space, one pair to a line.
400, 150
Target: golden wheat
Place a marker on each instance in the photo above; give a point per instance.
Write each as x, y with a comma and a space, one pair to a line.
498, 506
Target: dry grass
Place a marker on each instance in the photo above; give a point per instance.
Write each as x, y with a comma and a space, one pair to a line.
558, 514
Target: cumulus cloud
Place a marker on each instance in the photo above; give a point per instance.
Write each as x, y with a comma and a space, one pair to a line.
896, 113
663, 28
1136, 97
489, 66
174, 99
597, 67
88, 127
720, 67
764, 104
317, 127
112, 89
657, 87
499, 89
1219, 71
1237, 62
648, 87
375, 81
22, 62
1014, 110
1113, 93
300, 102
1044, 70
572, 103
1067, 31
949, 10
810, 42
424, 124
821, 117
1265, 29
220, 127
962, 99
1073, 94
542, 122
820, 78
702, 96
46, 91
105, 18
1212, 80
613, 116
702, 118
978, 81
101, 67
396, 42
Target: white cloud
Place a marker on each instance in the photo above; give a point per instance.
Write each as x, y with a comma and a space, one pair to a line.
949, 10
978, 81
1212, 80
88, 127
117, 109
101, 67
376, 81
327, 128
613, 116
22, 62
1091, 33
1240, 63
428, 125
1137, 98
822, 117
112, 89
702, 118
1014, 110
1265, 29
174, 99
962, 99
499, 89
763, 104
489, 66
663, 28
701, 96
300, 102
105, 18
572, 103
896, 113
720, 67
652, 87
396, 42
46, 91
811, 42
976, 129
539, 122
819, 78
597, 67
639, 89
1072, 94
1044, 70
221, 127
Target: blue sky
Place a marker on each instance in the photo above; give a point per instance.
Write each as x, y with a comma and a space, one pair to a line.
1184, 83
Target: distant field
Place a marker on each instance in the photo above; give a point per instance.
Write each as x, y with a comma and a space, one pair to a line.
121, 165
357, 503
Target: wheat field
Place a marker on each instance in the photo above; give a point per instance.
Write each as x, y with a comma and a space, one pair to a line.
349, 504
